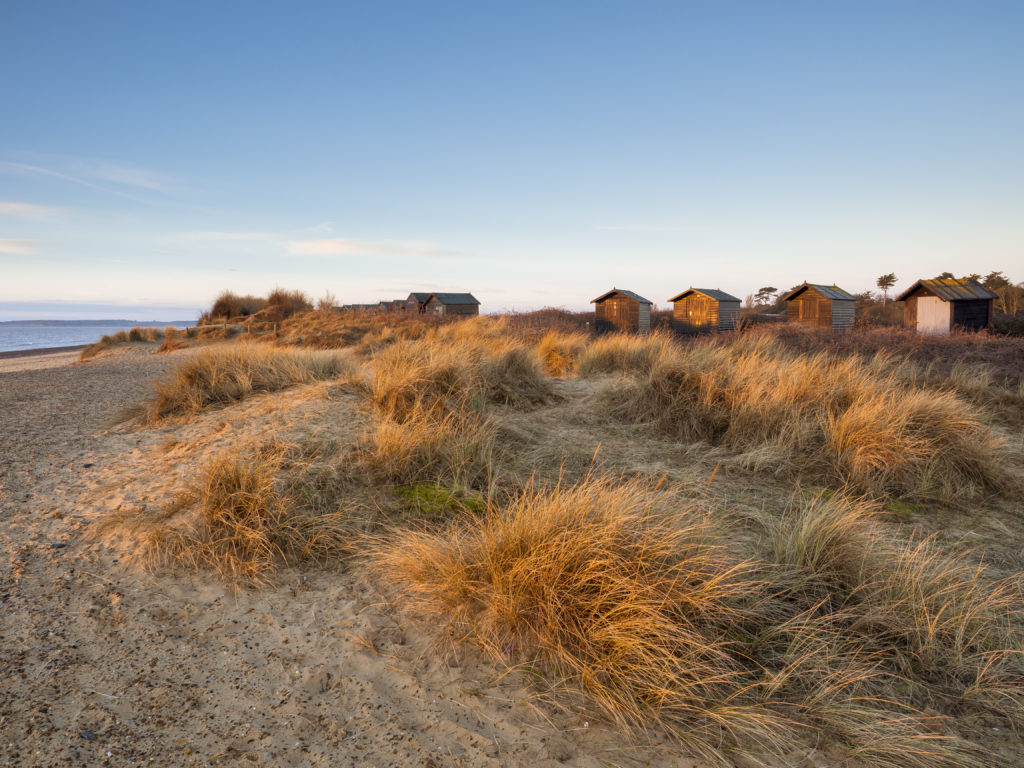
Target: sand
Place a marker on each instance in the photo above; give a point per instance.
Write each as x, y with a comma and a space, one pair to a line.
104, 663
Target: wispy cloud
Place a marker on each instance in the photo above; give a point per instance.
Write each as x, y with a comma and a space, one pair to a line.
340, 246
18, 247
227, 236
28, 210
132, 177
323, 226
102, 176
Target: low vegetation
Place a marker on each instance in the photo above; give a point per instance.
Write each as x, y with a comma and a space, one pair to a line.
227, 374
727, 619
639, 602
815, 415
249, 520
121, 338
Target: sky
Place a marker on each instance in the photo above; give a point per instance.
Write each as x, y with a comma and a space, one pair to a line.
536, 154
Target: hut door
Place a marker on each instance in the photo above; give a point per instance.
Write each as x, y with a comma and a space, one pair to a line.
932, 315
619, 313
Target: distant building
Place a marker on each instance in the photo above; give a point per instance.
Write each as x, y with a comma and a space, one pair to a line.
621, 310
824, 306
939, 305
452, 304
698, 310
417, 302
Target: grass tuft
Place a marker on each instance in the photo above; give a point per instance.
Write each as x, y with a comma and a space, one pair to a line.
232, 373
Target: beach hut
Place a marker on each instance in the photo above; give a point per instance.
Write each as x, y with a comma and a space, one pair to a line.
417, 302
452, 304
697, 310
621, 310
824, 306
939, 305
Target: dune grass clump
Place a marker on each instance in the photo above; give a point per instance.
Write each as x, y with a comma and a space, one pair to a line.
640, 607
455, 448
588, 583
626, 353
455, 367
108, 341
940, 623
228, 374
251, 520
560, 353
838, 418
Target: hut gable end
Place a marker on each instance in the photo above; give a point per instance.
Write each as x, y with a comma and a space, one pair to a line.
698, 310
621, 310
824, 306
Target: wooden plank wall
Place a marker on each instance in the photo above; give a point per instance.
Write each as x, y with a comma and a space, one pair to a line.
842, 314
728, 315
974, 314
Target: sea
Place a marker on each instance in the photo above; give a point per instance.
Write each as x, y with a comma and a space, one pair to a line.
19, 336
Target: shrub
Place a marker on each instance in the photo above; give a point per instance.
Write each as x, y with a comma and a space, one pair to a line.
229, 305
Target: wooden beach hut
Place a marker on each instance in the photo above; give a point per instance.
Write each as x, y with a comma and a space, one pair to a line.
824, 306
417, 302
698, 310
621, 310
464, 304
939, 305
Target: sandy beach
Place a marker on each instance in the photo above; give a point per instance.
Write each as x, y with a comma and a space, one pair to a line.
105, 661
104, 664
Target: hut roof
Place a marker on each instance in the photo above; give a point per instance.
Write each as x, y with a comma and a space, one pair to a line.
455, 298
630, 294
833, 292
951, 289
419, 296
711, 293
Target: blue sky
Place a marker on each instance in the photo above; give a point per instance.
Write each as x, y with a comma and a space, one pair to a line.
535, 153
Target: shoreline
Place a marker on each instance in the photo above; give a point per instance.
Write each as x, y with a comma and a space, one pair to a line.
40, 351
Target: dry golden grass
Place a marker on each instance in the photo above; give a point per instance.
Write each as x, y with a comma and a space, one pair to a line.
626, 353
455, 448
819, 624
560, 353
250, 520
136, 334
456, 366
231, 373
818, 416
633, 600
945, 626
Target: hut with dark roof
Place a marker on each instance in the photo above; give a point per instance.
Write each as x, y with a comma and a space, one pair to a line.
701, 310
939, 305
417, 302
621, 310
452, 304
825, 306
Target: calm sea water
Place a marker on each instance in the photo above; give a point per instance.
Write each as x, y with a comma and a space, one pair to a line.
41, 337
